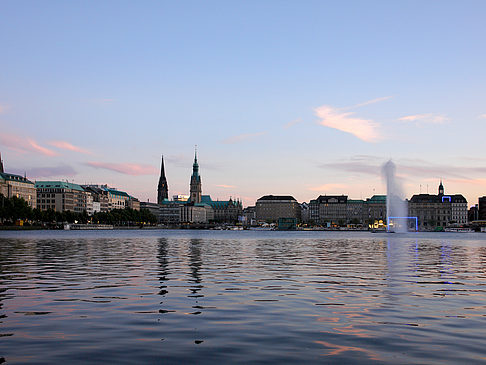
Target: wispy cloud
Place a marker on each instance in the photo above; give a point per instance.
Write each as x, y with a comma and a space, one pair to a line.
425, 118
292, 123
24, 145
371, 165
36, 147
327, 187
125, 168
372, 101
68, 146
482, 116
242, 137
364, 129
226, 186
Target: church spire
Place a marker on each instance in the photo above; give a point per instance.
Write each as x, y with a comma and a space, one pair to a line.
195, 186
162, 189
1, 164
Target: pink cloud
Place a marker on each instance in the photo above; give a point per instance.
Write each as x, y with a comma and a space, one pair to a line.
125, 168
24, 145
364, 129
426, 118
39, 148
226, 186
68, 146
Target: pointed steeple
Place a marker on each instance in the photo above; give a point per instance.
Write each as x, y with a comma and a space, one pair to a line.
163, 188
195, 186
1, 164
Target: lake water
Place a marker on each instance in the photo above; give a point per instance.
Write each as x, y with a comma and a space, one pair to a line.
241, 297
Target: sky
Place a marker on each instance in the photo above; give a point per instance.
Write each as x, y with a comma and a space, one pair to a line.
297, 98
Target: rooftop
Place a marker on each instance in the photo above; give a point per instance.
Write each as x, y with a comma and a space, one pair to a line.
57, 185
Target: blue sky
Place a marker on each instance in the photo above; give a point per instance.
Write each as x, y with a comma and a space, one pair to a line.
281, 97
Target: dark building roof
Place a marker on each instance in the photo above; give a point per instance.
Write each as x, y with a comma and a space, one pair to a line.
331, 199
428, 198
12, 177
276, 197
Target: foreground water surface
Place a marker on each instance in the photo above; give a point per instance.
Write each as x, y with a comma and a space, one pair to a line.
226, 297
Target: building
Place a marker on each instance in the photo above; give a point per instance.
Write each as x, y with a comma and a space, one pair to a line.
355, 210
249, 216
99, 196
272, 207
304, 212
153, 208
482, 209
170, 212
116, 199
61, 196
193, 213
19, 186
224, 211
329, 209
374, 211
133, 203
162, 189
438, 210
181, 198
195, 185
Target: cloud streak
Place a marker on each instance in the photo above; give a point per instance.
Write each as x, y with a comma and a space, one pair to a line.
226, 186
292, 123
68, 146
372, 101
124, 168
364, 129
242, 137
24, 145
425, 118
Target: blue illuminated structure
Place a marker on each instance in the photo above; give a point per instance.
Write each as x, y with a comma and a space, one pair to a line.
388, 222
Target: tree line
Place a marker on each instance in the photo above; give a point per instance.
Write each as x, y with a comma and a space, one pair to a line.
14, 209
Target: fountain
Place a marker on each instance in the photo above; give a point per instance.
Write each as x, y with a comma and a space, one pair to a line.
396, 205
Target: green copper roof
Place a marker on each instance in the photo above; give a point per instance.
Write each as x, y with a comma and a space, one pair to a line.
57, 185
12, 177
377, 199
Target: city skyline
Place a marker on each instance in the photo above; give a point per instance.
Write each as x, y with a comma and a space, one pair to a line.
281, 98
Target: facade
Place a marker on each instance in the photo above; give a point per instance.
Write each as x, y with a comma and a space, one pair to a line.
329, 209
99, 196
482, 209
249, 216
438, 210
224, 211
304, 212
170, 212
272, 207
61, 196
193, 214
162, 189
153, 208
116, 199
374, 211
133, 203
195, 186
181, 198
15, 185
355, 211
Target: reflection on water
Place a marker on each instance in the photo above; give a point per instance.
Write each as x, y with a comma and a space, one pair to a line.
212, 297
